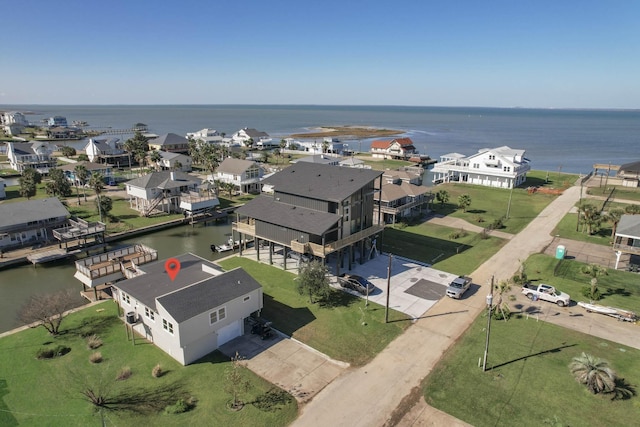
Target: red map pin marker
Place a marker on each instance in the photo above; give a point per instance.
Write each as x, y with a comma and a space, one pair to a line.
172, 265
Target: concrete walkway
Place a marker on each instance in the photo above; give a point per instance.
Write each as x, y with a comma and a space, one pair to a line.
383, 384
452, 222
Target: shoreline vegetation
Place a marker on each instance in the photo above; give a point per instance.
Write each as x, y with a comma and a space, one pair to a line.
347, 132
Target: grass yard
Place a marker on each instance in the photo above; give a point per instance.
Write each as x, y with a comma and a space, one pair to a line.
344, 329
434, 244
625, 193
529, 383
566, 228
48, 392
618, 288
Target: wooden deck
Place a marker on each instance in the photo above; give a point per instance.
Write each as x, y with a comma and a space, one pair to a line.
99, 293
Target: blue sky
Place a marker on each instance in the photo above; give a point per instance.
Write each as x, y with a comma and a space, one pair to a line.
560, 53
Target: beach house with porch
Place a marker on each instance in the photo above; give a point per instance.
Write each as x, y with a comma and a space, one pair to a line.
34, 155
30, 222
627, 241
170, 142
396, 148
315, 209
107, 150
192, 314
244, 174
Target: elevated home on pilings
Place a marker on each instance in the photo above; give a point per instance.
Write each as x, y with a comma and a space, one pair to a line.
319, 210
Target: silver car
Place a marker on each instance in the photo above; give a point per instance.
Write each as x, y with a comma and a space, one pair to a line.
458, 287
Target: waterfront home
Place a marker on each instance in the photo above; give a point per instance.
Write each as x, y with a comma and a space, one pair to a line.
352, 162
402, 196
501, 167
244, 174
259, 138
396, 148
317, 210
102, 168
327, 145
629, 173
57, 121
627, 240
35, 155
3, 194
193, 314
172, 161
12, 129
30, 222
61, 132
206, 135
107, 150
11, 117
170, 142
169, 192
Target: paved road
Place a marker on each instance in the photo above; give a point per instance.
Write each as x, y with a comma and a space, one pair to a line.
381, 385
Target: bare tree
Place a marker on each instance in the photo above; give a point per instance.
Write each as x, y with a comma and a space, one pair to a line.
236, 382
48, 310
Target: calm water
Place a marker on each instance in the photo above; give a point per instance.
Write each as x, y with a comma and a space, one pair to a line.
570, 140
19, 283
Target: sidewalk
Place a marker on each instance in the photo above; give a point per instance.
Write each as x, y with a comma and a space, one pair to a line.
382, 385
452, 222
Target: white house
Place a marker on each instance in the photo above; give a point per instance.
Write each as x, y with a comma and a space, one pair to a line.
192, 315
169, 161
630, 174
35, 155
244, 174
501, 167
207, 135
30, 222
57, 121
169, 192
627, 241
107, 150
259, 138
11, 117
170, 142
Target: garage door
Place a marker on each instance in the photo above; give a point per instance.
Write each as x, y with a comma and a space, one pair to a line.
229, 332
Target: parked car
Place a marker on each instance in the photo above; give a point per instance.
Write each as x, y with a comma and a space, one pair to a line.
298, 256
357, 283
458, 287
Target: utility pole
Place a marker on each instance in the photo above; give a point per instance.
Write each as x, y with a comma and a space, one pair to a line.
386, 310
486, 344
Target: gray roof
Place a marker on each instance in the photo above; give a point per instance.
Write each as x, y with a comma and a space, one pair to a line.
104, 144
254, 133
89, 166
12, 214
234, 166
321, 182
633, 167
267, 209
629, 225
163, 180
193, 291
170, 139
321, 159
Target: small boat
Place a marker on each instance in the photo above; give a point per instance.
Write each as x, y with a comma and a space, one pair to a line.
230, 245
618, 313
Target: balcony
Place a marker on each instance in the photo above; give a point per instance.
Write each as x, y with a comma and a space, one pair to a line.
628, 249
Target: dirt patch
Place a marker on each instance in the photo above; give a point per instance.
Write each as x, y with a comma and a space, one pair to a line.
407, 403
347, 132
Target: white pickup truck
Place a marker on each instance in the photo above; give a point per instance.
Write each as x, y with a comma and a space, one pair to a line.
546, 293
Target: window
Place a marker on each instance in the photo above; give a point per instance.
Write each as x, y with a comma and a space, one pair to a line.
148, 313
126, 298
167, 326
247, 298
218, 315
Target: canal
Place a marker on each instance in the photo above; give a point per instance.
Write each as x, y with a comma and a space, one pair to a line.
18, 284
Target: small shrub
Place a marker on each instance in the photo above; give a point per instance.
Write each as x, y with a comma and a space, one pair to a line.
179, 407
157, 371
272, 400
94, 342
479, 218
95, 357
498, 223
593, 293
50, 353
484, 234
61, 350
457, 234
124, 374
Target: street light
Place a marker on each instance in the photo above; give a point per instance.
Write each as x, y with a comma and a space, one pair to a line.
486, 345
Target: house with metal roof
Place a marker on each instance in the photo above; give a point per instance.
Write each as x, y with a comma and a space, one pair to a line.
30, 222
170, 142
627, 240
501, 167
402, 195
173, 161
630, 174
107, 150
35, 155
314, 209
194, 313
396, 148
169, 191
244, 174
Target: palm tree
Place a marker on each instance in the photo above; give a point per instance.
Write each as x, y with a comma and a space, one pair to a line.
591, 217
464, 201
155, 157
81, 179
593, 372
614, 216
96, 182
442, 196
595, 271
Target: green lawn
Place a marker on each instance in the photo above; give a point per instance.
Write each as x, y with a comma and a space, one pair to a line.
48, 392
529, 383
627, 193
568, 228
434, 244
619, 288
344, 328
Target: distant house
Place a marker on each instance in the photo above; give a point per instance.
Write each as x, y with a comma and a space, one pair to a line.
260, 139
194, 314
107, 150
3, 194
396, 148
62, 132
627, 240
207, 135
501, 167
323, 159
630, 174
31, 155
168, 192
244, 174
315, 209
352, 162
70, 170
401, 196
13, 117
57, 121
12, 129
30, 222
170, 161
170, 142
